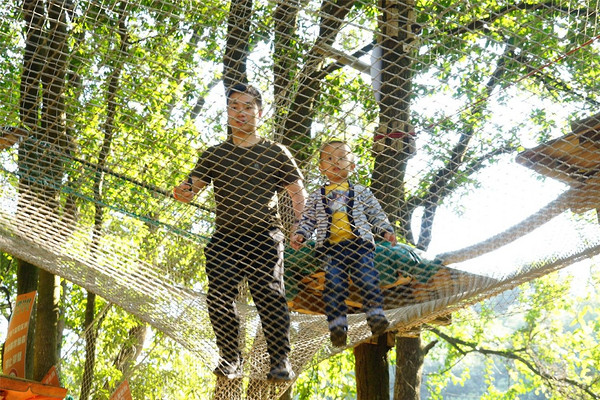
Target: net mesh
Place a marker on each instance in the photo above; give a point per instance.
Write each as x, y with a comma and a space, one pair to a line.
475, 126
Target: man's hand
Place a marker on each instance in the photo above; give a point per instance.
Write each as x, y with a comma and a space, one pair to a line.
296, 241
183, 192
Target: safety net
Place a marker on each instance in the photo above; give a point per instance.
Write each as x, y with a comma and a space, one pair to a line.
474, 127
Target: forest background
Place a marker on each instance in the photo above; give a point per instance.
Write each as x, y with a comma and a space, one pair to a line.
130, 86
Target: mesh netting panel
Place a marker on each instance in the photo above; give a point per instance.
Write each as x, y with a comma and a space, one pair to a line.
475, 131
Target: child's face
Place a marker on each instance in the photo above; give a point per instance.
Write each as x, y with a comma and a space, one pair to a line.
243, 114
336, 162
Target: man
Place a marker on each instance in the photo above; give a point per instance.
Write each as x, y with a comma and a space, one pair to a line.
247, 172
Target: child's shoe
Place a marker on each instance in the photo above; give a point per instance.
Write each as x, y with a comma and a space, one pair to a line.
338, 335
378, 323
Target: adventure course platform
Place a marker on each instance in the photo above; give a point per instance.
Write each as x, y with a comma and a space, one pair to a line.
406, 279
573, 159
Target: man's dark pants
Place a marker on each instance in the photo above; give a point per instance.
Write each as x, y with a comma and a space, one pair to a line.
258, 257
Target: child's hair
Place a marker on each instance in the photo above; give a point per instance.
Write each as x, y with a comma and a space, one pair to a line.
336, 141
250, 90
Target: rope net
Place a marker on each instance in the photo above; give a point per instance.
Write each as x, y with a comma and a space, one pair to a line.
474, 126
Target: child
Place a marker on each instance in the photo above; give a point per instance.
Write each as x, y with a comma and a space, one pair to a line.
345, 216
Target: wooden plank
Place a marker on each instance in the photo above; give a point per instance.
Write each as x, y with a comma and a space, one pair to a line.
446, 281
22, 389
587, 124
573, 158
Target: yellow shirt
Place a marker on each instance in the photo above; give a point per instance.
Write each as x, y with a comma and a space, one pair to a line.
337, 199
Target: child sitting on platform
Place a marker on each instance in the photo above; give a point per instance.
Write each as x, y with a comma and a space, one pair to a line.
345, 216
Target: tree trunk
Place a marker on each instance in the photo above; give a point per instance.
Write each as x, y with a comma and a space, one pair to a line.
27, 281
393, 142
27, 277
129, 352
91, 334
238, 39
300, 113
113, 81
284, 61
44, 66
33, 16
371, 368
46, 332
392, 145
33, 11
132, 348
409, 368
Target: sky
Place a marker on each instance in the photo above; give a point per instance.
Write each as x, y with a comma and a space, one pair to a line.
509, 194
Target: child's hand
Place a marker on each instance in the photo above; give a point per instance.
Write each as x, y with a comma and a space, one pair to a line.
183, 192
296, 241
391, 237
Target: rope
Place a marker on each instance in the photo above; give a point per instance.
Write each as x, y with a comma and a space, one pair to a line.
134, 99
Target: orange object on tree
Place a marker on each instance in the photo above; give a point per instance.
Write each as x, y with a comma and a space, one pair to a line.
12, 388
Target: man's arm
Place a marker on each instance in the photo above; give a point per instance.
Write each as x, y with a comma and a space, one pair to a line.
186, 190
298, 195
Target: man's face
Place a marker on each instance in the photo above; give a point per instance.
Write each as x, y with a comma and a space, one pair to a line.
337, 162
242, 113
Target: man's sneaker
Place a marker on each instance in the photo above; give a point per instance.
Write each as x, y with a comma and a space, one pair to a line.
281, 371
338, 335
229, 369
378, 323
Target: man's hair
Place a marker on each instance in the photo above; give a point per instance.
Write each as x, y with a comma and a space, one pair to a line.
250, 90
334, 142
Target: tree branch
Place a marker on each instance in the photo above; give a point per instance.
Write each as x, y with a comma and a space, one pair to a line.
553, 84
6, 292
456, 156
429, 346
464, 348
502, 11
301, 111
351, 60
202, 99
472, 167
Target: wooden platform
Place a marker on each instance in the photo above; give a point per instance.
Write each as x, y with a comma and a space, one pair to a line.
405, 278
573, 159
22, 389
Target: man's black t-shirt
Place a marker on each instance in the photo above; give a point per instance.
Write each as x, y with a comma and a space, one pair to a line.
246, 181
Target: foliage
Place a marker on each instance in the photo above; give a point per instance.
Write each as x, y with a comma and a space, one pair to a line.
543, 346
7, 285
330, 379
161, 64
